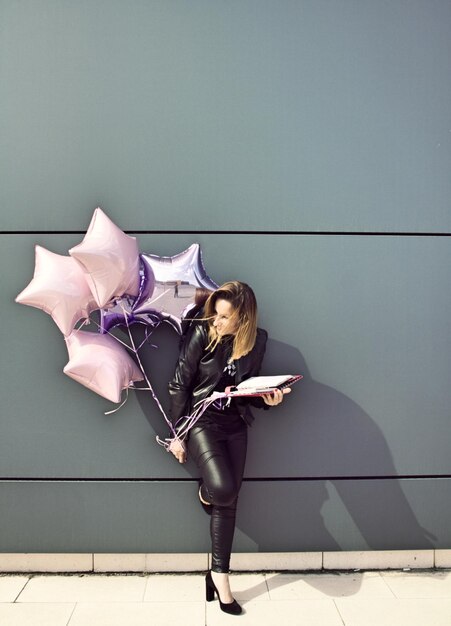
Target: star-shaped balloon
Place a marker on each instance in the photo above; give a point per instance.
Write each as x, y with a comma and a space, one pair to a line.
105, 271
109, 258
170, 288
115, 314
100, 363
59, 288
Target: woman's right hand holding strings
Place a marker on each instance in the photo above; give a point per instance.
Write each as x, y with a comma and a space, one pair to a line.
178, 449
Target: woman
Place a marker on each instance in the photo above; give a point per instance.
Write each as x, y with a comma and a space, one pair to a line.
222, 347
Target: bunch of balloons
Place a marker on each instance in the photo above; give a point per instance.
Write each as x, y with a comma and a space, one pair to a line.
106, 273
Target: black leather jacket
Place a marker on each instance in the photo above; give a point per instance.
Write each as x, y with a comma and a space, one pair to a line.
198, 371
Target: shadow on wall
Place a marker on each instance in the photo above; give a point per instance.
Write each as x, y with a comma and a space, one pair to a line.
317, 437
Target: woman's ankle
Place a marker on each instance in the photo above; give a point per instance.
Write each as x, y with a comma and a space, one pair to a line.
221, 581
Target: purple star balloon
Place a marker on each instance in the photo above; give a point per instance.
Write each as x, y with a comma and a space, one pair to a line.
170, 287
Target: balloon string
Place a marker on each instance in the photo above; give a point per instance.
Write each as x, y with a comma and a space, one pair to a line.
111, 335
188, 421
150, 388
121, 404
179, 432
146, 339
135, 351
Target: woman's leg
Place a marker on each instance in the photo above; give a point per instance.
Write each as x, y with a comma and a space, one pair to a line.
220, 458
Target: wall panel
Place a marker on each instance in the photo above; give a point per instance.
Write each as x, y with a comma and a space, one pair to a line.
146, 517
365, 319
254, 115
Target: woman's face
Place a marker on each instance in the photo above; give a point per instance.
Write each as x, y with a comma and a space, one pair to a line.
223, 321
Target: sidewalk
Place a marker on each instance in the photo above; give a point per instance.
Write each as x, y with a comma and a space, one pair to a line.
374, 598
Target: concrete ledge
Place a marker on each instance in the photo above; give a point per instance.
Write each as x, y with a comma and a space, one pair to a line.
150, 562
442, 558
279, 561
379, 559
253, 561
46, 562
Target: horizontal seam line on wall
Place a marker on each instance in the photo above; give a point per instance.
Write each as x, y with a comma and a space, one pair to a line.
259, 479
238, 232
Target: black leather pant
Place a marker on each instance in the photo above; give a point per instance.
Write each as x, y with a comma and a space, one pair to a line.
220, 455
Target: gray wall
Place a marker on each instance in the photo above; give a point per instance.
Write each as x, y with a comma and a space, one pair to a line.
306, 145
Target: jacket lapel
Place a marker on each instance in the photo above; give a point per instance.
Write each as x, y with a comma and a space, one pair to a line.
243, 367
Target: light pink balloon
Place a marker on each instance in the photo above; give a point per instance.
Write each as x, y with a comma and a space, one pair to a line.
110, 259
100, 363
59, 288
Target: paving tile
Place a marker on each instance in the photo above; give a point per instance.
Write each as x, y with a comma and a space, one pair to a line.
311, 599
175, 588
249, 587
189, 588
419, 584
304, 586
88, 588
286, 612
51, 614
11, 586
139, 614
394, 612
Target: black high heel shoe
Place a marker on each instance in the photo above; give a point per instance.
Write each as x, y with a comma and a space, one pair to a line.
206, 507
233, 608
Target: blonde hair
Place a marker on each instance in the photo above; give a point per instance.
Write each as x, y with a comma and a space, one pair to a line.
244, 305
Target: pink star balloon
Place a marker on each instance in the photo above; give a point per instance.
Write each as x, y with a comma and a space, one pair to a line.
59, 288
100, 363
109, 258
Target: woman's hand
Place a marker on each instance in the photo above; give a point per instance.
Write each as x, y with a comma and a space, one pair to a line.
276, 397
178, 449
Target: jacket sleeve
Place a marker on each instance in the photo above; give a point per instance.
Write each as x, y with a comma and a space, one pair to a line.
182, 384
